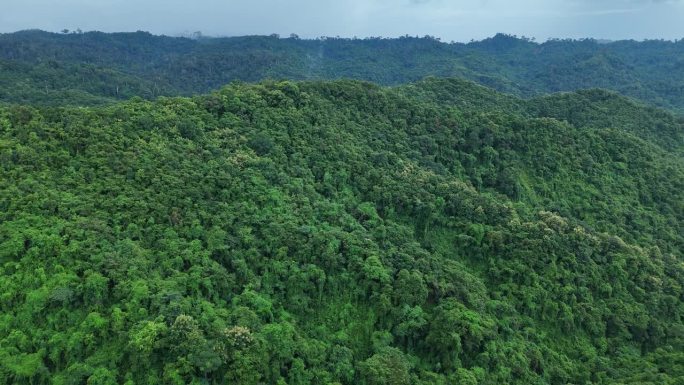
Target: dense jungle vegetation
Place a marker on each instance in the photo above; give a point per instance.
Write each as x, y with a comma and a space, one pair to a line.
339, 232
95, 68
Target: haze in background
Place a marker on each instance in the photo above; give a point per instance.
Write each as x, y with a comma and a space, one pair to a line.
449, 20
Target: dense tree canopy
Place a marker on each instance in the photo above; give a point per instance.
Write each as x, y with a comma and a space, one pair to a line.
342, 233
96, 68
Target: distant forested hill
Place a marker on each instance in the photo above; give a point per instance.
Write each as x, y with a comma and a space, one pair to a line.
95, 68
337, 232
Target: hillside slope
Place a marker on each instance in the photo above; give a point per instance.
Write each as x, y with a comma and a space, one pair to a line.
93, 67
341, 233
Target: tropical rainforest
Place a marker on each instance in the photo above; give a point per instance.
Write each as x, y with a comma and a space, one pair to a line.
396, 229
91, 68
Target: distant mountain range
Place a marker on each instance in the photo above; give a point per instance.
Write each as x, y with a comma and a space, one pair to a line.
95, 67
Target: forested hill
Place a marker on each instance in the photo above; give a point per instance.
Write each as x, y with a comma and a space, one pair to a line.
291, 233
95, 68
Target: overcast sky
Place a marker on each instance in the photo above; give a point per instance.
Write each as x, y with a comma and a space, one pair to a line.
459, 20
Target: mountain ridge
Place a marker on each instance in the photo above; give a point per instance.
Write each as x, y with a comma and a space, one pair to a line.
342, 232
122, 65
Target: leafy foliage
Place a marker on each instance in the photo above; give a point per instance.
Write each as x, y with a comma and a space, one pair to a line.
96, 68
339, 232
